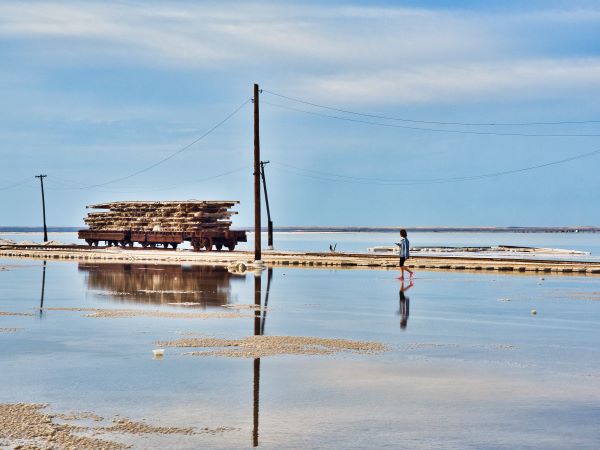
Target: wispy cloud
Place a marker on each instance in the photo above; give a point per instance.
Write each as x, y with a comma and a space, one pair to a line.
468, 81
389, 54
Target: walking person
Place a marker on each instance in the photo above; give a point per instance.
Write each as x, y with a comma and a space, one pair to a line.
404, 254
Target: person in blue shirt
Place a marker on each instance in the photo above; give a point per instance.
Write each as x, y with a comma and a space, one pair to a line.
404, 245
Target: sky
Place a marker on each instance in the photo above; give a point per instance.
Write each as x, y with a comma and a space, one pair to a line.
97, 94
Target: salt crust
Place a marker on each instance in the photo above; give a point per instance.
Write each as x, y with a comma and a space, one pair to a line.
262, 346
26, 426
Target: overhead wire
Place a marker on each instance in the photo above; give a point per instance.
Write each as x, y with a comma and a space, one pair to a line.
14, 185
325, 176
430, 122
159, 188
172, 155
436, 130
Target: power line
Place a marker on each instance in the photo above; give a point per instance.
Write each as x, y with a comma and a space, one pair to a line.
376, 116
436, 130
145, 169
327, 176
14, 185
160, 188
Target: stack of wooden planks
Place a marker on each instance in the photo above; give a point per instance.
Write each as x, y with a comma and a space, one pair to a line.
189, 216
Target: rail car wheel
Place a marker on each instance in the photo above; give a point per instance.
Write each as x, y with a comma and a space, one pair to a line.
208, 244
219, 246
166, 245
231, 246
123, 244
95, 243
89, 242
174, 245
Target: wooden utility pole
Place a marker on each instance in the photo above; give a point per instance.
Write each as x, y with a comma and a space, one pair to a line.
257, 254
41, 177
270, 222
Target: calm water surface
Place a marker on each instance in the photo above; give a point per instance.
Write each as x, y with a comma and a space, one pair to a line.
468, 365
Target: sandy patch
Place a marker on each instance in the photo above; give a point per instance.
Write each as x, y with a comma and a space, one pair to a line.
593, 296
82, 415
121, 313
26, 426
261, 346
9, 330
245, 306
5, 313
126, 425
185, 304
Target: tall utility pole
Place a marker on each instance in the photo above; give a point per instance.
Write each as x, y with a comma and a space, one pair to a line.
41, 177
257, 255
270, 222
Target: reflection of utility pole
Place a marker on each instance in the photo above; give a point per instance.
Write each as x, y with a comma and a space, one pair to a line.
264, 313
270, 222
41, 177
43, 287
257, 332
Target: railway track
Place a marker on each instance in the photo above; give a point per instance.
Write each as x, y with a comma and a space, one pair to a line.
299, 259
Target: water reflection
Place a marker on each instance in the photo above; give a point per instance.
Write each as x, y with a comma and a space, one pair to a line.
404, 310
260, 317
161, 283
43, 287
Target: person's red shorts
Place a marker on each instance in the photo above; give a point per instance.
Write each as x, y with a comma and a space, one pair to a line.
402, 261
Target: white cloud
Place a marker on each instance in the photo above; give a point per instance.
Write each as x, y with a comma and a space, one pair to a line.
468, 81
385, 54
194, 35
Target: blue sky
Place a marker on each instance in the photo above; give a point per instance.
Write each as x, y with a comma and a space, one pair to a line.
94, 91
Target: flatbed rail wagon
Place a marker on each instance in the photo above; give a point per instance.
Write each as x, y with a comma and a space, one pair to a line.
204, 224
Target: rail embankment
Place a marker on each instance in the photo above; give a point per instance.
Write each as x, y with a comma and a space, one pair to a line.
301, 259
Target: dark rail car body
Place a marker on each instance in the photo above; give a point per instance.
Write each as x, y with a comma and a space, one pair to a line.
200, 239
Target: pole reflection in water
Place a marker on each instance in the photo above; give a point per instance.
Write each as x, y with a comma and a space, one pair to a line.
201, 286
404, 305
260, 317
43, 287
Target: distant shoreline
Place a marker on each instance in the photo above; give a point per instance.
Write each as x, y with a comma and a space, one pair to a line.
341, 229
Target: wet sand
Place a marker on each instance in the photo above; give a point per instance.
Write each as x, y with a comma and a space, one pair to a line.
30, 426
26, 425
263, 346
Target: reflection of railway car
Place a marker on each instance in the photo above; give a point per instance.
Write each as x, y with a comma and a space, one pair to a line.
204, 224
160, 283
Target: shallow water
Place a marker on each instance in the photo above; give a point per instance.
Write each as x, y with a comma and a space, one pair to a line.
468, 365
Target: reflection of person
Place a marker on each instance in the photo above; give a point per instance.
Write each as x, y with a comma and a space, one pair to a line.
404, 253
404, 305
